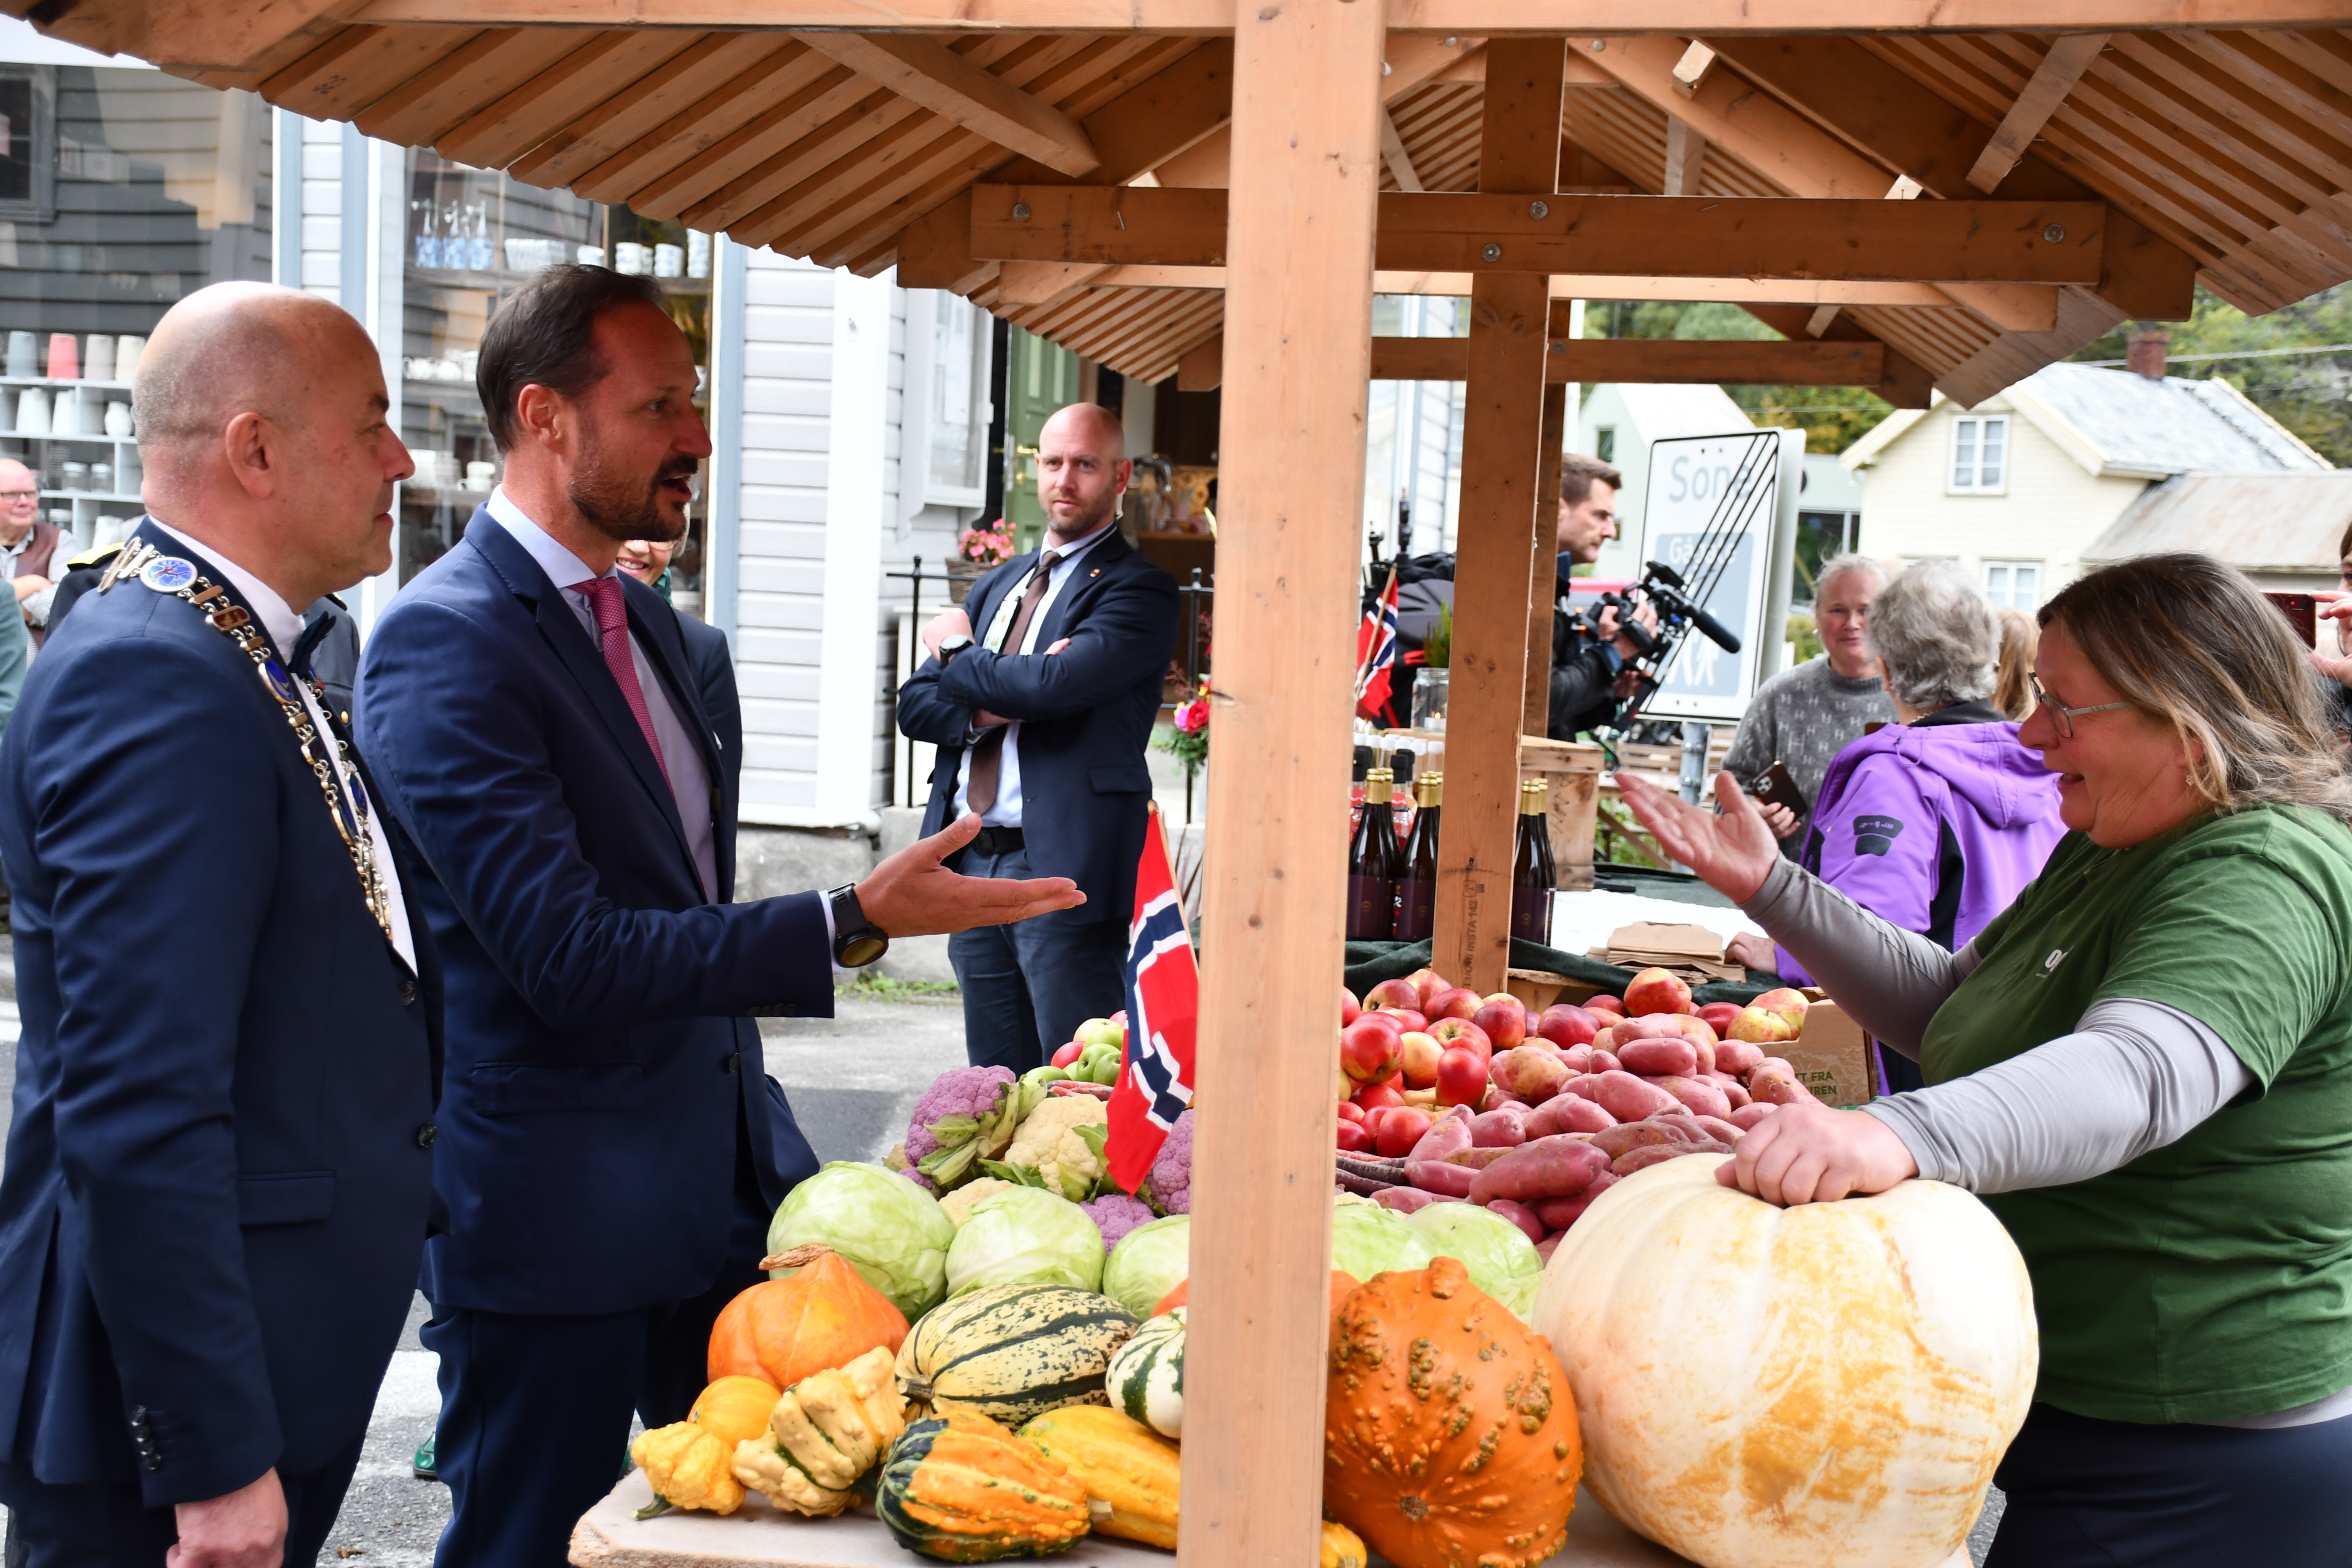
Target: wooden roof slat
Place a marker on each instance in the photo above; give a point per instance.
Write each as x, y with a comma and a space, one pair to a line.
954, 88
505, 129
644, 109
717, 138
443, 96
863, 184
359, 65
2062, 67
2226, 119
2295, 108
879, 121
2327, 56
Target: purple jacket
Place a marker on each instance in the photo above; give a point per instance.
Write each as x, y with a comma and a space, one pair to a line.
1934, 826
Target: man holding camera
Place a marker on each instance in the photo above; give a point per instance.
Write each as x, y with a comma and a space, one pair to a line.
1586, 666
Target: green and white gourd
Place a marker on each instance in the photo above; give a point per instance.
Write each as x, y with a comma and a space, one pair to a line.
1145, 1380
1012, 1351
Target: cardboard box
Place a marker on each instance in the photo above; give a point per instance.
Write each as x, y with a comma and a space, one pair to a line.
1833, 1057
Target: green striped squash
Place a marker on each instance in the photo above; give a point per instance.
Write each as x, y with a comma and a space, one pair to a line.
1146, 1378
1010, 1352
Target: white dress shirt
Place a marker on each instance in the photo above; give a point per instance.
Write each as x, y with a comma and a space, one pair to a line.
1006, 812
690, 779
285, 628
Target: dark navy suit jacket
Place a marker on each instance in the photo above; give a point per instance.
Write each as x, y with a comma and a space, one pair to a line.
1087, 715
598, 1005
215, 1190
710, 663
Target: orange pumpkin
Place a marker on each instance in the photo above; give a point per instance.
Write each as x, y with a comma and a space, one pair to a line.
781, 1331
1341, 1283
1450, 1435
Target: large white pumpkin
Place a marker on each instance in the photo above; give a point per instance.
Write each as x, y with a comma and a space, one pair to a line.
1829, 1385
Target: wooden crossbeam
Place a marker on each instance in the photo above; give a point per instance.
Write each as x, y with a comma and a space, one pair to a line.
2053, 80
932, 74
1044, 281
1846, 240
1740, 362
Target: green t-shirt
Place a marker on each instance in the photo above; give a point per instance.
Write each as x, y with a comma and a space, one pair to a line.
2210, 1280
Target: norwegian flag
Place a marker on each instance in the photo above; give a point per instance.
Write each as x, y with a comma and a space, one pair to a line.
1164, 1006
1376, 653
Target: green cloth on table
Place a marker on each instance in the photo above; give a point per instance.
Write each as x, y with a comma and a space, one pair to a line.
2210, 1280
1370, 963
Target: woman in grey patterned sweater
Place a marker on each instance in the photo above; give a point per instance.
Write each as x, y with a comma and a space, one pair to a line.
1804, 717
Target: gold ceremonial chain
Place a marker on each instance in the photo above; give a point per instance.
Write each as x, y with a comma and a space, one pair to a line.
347, 808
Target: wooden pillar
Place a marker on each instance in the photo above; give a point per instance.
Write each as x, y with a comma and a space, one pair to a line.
1544, 569
1296, 361
1501, 436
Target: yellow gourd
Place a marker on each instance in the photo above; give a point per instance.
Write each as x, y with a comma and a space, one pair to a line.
1125, 1465
1342, 1547
823, 1434
688, 1463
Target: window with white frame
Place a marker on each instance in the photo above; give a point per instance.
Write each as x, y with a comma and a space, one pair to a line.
1980, 455
2013, 585
949, 337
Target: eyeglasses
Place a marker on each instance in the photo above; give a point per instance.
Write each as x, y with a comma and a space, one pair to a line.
14, 497
2060, 714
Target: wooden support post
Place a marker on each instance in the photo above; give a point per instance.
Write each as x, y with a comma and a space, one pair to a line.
1545, 569
1298, 347
1501, 435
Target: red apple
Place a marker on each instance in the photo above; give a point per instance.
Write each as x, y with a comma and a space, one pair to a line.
1396, 993
1564, 1023
1407, 1016
1462, 1078
1451, 1033
1354, 1138
1760, 1028
1657, 991
1069, 1053
1367, 1051
1498, 996
1454, 1002
1377, 1096
1790, 1004
1349, 1007
1351, 1112
1605, 1002
1718, 1016
1400, 1130
1426, 983
1505, 1023
1420, 1053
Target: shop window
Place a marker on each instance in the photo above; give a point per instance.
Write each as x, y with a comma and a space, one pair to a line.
1980, 456
29, 145
1604, 443
2013, 585
947, 339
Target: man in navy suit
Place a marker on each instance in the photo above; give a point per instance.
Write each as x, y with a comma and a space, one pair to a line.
610, 1151
1041, 717
217, 1182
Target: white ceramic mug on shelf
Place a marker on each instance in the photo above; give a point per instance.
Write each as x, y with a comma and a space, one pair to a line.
24, 356
97, 357
127, 350
33, 412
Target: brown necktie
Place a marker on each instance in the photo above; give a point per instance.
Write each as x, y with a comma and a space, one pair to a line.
988, 751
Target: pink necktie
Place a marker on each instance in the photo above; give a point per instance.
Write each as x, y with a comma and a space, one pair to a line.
604, 594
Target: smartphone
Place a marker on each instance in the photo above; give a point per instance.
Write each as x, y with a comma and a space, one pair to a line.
1775, 787
2302, 612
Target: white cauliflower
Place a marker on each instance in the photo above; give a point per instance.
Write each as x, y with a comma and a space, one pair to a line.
958, 1203
1062, 1141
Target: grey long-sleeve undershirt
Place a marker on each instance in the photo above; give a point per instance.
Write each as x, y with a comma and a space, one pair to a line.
2133, 1076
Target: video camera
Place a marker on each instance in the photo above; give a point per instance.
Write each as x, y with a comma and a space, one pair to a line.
1667, 594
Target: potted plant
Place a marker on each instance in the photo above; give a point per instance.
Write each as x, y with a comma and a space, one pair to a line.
977, 551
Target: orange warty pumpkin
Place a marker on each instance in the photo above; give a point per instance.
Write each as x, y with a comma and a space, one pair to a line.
1341, 1283
781, 1331
1450, 1437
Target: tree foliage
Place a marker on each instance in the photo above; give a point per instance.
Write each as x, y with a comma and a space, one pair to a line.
1832, 418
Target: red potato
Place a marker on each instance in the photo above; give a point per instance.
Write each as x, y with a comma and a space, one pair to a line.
1555, 1167
1495, 1098
1354, 1138
1585, 1086
1399, 1131
1447, 1133
1658, 1154
1658, 1058
1565, 1212
1605, 1002
1578, 1057
1606, 1040
1628, 1136
1503, 1129
1069, 1053
1404, 1200
1461, 1077
1479, 1158
1738, 1057
1722, 1131
1398, 992
1702, 1097
1627, 1099
1530, 1073
1701, 1038
1773, 1087
1604, 1061
1567, 1026
1549, 1243
1348, 1009
1437, 1176
1733, 1090
1748, 1116
1568, 1113
1649, 1027
1519, 1215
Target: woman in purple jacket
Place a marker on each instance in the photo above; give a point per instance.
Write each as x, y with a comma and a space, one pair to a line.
1934, 823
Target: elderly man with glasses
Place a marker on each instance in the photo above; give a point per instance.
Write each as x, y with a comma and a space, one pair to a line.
28, 546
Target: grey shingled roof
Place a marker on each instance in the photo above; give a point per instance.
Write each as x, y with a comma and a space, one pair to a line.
2169, 426
2268, 522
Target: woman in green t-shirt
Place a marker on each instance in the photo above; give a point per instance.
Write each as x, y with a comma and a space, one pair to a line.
2143, 1065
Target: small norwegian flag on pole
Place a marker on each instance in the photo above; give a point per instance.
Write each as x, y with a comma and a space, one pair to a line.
1164, 1006
1376, 653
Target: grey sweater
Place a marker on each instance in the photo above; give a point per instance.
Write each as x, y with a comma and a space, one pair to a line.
1805, 717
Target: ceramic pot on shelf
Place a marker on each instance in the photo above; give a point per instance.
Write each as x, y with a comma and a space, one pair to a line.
24, 356
33, 412
98, 358
127, 350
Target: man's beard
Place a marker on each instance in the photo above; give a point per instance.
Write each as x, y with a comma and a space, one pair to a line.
1079, 527
622, 509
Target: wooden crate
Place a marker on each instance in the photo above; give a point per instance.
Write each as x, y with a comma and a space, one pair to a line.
1573, 771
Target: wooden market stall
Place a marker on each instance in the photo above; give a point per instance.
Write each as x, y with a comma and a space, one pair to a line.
1215, 191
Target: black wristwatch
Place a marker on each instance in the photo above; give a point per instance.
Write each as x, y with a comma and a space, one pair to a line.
856, 941
951, 646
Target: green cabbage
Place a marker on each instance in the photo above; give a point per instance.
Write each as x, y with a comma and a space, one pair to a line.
1367, 1239
1025, 1235
1501, 1259
883, 1226
1150, 1261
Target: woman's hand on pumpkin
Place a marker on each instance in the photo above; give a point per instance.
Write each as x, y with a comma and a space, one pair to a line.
1732, 852
1811, 1155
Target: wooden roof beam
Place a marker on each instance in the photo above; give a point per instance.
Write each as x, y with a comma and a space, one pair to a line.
186, 36
1740, 362
1812, 294
952, 87
1864, 241
2069, 56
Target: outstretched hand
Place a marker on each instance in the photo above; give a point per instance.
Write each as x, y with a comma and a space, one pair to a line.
1811, 1155
911, 894
1732, 853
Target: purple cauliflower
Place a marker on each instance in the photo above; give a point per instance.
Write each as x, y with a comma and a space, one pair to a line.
967, 1114
1170, 1184
1115, 1214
